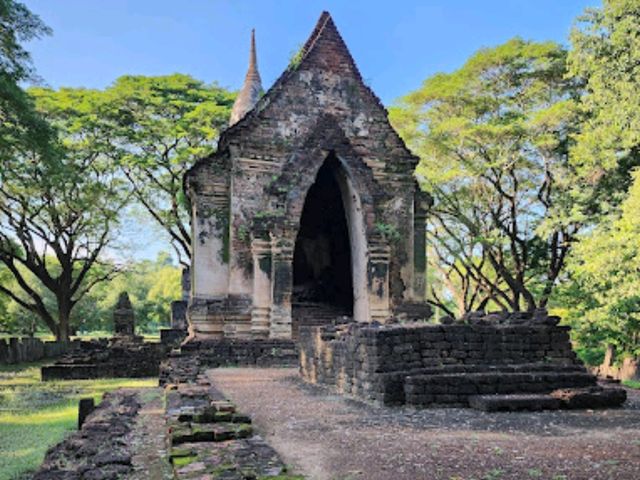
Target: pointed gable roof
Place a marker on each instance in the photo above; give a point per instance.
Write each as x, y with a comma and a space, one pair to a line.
324, 48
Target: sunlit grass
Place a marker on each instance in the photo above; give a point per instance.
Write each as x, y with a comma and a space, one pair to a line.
35, 415
631, 383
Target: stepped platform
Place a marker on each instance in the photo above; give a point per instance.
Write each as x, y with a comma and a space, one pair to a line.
427, 365
455, 389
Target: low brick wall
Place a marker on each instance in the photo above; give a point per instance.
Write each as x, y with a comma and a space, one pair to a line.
195, 357
374, 362
100, 359
26, 349
234, 352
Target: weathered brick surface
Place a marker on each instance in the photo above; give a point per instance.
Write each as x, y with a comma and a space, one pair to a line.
421, 364
99, 450
208, 438
254, 187
101, 359
195, 357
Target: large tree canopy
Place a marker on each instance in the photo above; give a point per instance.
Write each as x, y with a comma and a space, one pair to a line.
58, 214
21, 128
606, 273
605, 55
159, 127
602, 299
492, 138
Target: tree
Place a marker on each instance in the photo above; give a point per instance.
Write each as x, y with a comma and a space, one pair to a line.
601, 296
493, 139
606, 270
160, 126
65, 207
152, 286
606, 58
21, 128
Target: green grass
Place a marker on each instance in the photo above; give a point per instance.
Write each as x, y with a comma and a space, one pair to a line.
631, 383
35, 415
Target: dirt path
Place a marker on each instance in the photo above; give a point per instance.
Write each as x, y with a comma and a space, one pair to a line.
326, 436
148, 439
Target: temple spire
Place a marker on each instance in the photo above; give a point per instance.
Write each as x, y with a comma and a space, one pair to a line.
251, 89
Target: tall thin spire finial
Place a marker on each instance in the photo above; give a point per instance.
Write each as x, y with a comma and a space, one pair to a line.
253, 57
251, 89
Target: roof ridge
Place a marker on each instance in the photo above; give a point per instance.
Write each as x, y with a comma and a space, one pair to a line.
317, 31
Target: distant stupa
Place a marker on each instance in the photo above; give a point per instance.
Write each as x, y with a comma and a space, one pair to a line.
251, 89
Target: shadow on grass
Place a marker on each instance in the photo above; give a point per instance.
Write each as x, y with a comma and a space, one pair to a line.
35, 415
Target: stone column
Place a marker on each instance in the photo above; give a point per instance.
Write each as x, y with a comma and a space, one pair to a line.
260, 313
185, 282
210, 263
281, 280
378, 281
419, 247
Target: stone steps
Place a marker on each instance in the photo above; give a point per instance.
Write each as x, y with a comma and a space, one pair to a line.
314, 315
454, 389
515, 402
209, 432
210, 439
588, 397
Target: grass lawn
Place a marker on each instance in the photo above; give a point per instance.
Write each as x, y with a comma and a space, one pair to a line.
35, 415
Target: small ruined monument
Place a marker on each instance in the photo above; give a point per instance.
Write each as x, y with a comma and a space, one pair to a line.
124, 317
178, 330
309, 210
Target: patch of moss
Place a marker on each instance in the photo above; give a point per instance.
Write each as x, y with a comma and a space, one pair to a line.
182, 461
181, 452
244, 430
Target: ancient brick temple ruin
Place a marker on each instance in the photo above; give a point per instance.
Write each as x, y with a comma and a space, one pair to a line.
308, 225
309, 209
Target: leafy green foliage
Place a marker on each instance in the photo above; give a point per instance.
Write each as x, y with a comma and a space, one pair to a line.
66, 207
159, 127
21, 128
492, 139
600, 299
605, 268
606, 57
152, 286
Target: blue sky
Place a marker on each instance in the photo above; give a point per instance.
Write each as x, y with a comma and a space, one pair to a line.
397, 44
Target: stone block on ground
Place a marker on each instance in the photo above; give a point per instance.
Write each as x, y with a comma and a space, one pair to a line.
591, 397
497, 403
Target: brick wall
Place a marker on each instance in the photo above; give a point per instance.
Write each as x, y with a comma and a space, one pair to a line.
377, 363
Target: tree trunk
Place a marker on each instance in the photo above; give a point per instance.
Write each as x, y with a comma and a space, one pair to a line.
64, 314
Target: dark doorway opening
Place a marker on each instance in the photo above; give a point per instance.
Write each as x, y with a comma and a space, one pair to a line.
322, 276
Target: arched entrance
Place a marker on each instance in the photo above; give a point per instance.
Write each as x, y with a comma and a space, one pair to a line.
322, 265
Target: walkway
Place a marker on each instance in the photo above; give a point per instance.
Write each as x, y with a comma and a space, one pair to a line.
326, 436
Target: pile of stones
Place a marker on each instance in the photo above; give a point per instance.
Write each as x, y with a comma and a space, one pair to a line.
210, 439
100, 450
